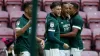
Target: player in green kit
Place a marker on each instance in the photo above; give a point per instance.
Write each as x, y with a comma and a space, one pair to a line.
52, 34
23, 30
65, 27
76, 43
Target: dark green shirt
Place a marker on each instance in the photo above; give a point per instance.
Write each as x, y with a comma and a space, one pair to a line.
65, 27
77, 22
53, 26
22, 42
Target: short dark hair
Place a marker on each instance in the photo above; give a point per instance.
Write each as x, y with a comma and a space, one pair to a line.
76, 6
64, 3
26, 4
54, 4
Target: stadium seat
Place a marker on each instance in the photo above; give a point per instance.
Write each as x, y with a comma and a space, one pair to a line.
76, 1
90, 8
6, 33
39, 3
94, 25
93, 16
1, 4
83, 15
3, 18
41, 24
41, 29
90, 3
27, 0
47, 4
97, 44
14, 16
89, 53
41, 15
96, 34
13, 5
87, 44
86, 34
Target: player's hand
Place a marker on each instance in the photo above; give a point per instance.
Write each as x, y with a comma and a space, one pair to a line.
42, 43
66, 46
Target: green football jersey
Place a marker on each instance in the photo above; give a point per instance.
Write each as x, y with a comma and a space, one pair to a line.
77, 22
65, 27
53, 26
22, 42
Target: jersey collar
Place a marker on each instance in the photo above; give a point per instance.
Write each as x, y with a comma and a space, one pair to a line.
74, 15
25, 17
55, 16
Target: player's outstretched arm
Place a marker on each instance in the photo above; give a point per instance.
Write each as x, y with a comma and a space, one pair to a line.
20, 31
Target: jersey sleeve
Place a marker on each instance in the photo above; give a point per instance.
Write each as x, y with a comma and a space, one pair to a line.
51, 33
19, 24
51, 26
77, 23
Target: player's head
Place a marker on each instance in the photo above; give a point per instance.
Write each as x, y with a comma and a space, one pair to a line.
27, 7
64, 7
56, 8
70, 8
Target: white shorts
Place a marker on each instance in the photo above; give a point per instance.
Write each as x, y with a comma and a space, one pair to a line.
76, 52
24, 53
64, 52
52, 52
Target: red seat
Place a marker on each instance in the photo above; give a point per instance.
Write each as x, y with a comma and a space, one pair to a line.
96, 34
39, 3
14, 16
6, 33
3, 19
86, 34
94, 25
83, 15
41, 16
97, 44
89, 53
75, 1
41, 24
93, 16
47, 4
27, 0
90, 8
41, 29
13, 5
1, 4
90, 3
87, 44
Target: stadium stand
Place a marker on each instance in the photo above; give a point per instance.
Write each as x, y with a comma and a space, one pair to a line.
10, 11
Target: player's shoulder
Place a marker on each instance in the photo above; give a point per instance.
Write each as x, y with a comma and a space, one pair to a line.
78, 18
49, 18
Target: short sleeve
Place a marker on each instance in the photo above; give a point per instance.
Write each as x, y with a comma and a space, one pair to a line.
77, 23
19, 24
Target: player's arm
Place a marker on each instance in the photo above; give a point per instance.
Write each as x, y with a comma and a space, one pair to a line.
20, 31
73, 33
77, 25
51, 27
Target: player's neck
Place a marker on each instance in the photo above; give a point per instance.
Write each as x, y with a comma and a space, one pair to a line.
27, 16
